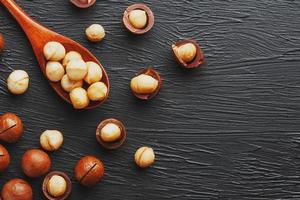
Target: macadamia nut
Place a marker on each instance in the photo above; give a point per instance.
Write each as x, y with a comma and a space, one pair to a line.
54, 51
76, 70
57, 186
51, 140
97, 91
54, 71
110, 132
72, 55
143, 84
144, 157
18, 82
187, 52
79, 98
68, 84
94, 73
138, 18
95, 33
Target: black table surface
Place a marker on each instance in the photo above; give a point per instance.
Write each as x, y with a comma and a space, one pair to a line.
227, 130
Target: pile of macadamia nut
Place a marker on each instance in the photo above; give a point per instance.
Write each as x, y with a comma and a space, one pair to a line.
74, 73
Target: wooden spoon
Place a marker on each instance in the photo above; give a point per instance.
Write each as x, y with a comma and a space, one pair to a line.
39, 35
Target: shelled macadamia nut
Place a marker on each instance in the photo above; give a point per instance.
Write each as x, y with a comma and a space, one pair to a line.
4, 158
79, 98
71, 55
94, 73
68, 85
97, 91
54, 51
18, 81
144, 157
16, 189
11, 128
76, 70
187, 52
54, 71
57, 186
138, 18
95, 33
89, 170
2, 43
51, 140
35, 163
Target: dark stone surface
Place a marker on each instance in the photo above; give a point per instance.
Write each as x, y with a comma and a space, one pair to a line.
228, 130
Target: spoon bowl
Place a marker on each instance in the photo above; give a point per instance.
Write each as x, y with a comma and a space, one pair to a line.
39, 36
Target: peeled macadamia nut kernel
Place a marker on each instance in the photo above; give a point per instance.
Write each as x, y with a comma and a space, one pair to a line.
187, 52
68, 84
57, 186
97, 91
110, 132
138, 18
72, 55
79, 98
144, 157
94, 73
54, 71
76, 70
18, 81
95, 33
54, 51
143, 84
51, 140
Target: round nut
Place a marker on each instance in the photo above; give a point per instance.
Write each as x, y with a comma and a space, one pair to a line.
138, 18
54, 51
83, 3
16, 189
35, 163
89, 171
4, 158
97, 91
51, 140
94, 73
71, 55
187, 52
18, 81
143, 84
54, 71
95, 33
79, 98
110, 132
144, 157
57, 186
76, 70
68, 84
11, 128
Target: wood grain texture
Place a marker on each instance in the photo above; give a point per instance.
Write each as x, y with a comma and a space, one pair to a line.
228, 130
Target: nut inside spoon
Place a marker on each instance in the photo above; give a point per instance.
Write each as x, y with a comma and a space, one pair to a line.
39, 36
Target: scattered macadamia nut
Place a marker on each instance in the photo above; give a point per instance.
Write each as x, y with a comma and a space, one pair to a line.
11, 128
188, 53
54, 51
54, 71
2, 43
138, 18
35, 163
94, 73
79, 98
4, 158
83, 3
95, 33
144, 157
71, 55
18, 81
68, 85
76, 70
16, 189
111, 133
89, 171
97, 91
51, 140
57, 186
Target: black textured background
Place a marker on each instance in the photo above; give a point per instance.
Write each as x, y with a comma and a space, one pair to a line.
228, 130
